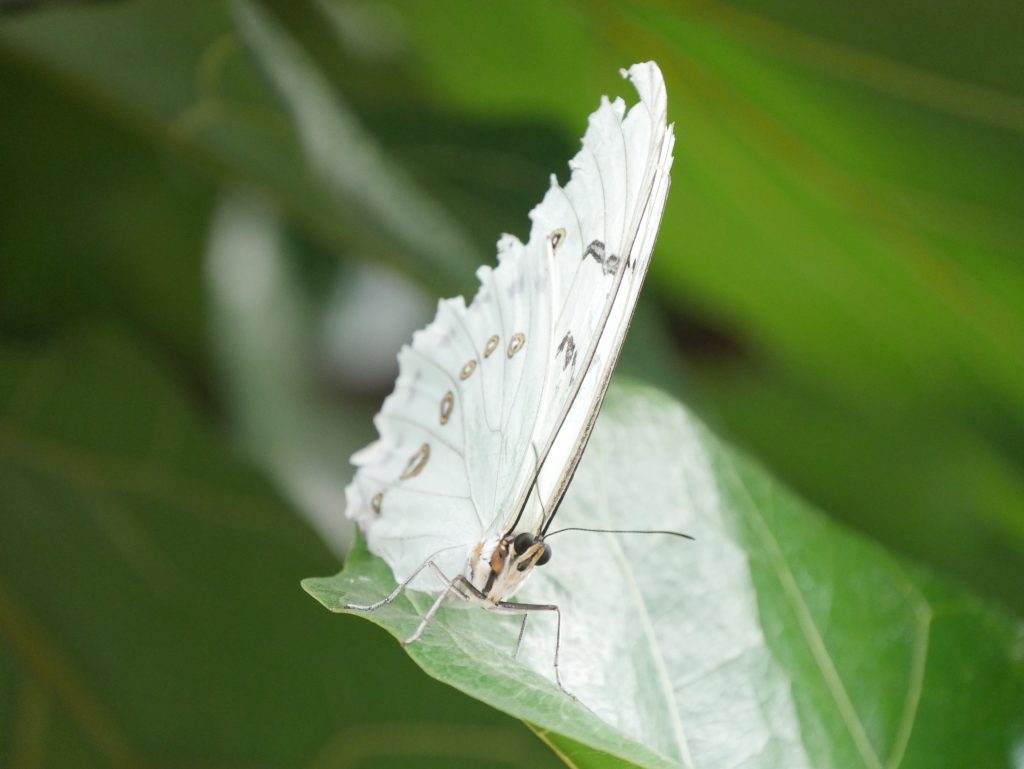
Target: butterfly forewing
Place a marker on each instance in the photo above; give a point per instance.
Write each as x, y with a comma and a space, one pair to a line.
616, 192
638, 244
494, 402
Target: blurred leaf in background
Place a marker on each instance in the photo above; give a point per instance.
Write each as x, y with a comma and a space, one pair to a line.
838, 287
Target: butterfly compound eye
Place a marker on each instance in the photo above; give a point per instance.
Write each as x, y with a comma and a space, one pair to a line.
544, 556
522, 542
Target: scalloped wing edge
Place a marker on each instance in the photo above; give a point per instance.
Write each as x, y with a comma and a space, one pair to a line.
649, 83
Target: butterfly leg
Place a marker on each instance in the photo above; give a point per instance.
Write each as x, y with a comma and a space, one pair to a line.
399, 588
482, 596
519, 639
462, 584
526, 608
450, 588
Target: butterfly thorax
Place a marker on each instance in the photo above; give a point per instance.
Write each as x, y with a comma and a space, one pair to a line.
499, 567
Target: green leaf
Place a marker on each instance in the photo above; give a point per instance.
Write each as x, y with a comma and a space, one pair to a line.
917, 470
776, 639
150, 609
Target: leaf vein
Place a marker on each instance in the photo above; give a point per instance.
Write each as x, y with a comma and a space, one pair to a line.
812, 635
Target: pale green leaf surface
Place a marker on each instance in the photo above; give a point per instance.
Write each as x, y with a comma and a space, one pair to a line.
776, 639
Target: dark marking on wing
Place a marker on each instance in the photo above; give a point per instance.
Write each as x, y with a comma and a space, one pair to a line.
567, 348
556, 238
609, 262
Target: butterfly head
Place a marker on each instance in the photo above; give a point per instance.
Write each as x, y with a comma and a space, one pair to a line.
500, 567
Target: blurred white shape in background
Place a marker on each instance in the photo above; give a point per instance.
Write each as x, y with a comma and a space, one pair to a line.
275, 342
367, 319
372, 31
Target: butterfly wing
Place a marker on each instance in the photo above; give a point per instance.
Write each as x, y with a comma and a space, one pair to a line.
610, 211
495, 401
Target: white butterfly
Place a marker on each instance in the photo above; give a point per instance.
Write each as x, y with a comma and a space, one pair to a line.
495, 402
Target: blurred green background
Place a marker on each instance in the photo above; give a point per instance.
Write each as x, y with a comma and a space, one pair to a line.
220, 221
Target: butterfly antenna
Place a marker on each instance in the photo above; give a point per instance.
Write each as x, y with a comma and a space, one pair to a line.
620, 531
